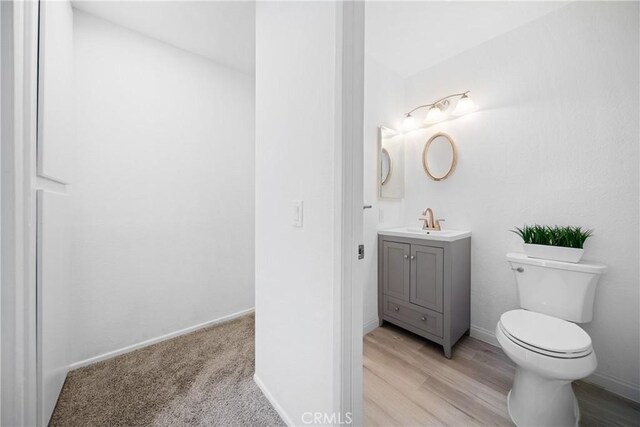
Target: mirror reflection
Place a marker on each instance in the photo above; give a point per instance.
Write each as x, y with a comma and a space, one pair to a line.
385, 166
391, 163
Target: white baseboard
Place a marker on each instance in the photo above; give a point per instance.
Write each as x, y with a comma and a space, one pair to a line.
273, 401
614, 385
484, 335
156, 340
370, 326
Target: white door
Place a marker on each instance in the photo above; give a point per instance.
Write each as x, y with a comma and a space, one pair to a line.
55, 91
53, 173
353, 207
53, 298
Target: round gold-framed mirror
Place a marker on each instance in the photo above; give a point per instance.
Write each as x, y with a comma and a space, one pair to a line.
439, 156
386, 166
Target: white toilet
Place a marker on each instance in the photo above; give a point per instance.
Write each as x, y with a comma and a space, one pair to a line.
543, 340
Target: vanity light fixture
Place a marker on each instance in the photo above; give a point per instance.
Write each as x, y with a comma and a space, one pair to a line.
434, 115
437, 110
465, 105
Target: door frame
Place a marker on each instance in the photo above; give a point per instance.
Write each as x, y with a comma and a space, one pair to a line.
349, 215
19, 61
18, 113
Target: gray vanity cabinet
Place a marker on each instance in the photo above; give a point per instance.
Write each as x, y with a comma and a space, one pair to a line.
395, 281
427, 276
424, 287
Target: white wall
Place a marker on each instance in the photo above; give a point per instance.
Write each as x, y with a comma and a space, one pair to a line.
296, 156
164, 194
384, 105
555, 142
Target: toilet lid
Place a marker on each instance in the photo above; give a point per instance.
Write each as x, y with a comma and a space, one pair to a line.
546, 333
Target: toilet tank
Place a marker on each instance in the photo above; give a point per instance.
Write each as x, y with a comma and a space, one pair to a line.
560, 289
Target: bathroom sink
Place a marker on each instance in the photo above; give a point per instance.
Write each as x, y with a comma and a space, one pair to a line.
419, 233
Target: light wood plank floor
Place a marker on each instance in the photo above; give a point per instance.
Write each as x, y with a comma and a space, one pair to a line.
409, 382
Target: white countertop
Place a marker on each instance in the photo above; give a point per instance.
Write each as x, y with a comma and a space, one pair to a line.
418, 233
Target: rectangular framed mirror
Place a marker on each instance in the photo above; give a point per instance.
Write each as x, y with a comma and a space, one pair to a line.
390, 163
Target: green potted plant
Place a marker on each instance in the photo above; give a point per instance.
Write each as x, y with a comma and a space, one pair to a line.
555, 243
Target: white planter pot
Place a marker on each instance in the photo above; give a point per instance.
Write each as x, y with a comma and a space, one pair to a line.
555, 253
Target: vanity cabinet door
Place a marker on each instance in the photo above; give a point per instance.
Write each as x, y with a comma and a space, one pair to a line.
395, 270
427, 276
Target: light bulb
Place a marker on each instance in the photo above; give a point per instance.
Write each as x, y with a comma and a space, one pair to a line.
409, 123
434, 115
465, 105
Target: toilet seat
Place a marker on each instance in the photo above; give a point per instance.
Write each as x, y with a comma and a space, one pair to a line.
545, 367
545, 335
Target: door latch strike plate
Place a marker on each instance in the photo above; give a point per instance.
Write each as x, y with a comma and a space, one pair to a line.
360, 251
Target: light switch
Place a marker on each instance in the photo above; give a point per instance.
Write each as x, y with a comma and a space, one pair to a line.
297, 213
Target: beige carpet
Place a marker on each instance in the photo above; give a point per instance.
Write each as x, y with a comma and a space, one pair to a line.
203, 378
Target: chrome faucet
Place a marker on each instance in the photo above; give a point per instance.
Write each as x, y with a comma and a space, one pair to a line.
429, 223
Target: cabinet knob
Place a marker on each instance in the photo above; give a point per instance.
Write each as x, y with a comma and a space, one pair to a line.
424, 319
413, 257
397, 309
406, 257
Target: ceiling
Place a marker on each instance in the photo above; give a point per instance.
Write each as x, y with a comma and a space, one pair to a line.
409, 37
223, 31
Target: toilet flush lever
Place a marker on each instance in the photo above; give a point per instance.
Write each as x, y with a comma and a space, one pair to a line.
519, 269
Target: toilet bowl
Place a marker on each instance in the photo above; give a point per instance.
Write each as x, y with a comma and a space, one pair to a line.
549, 354
542, 338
